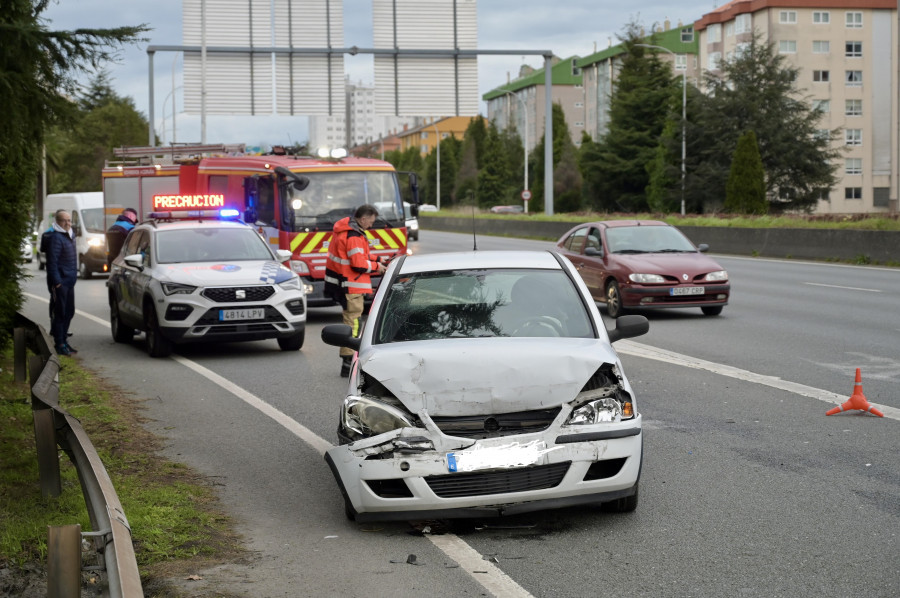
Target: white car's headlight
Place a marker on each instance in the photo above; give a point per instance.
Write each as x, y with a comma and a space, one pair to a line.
412, 224
645, 278
176, 288
368, 417
608, 409
717, 276
292, 284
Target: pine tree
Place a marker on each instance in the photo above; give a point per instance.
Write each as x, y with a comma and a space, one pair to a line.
745, 192
494, 175
37, 69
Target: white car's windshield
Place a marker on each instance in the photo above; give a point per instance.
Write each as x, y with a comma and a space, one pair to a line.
482, 303
210, 244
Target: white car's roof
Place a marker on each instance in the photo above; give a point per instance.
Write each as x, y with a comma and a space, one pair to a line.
429, 262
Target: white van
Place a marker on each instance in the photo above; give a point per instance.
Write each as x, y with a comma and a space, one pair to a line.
87, 222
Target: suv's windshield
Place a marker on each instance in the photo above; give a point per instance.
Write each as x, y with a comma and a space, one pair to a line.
208, 244
482, 303
331, 196
647, 239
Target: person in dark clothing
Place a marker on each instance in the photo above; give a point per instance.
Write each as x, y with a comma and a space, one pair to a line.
115, 236
62, 272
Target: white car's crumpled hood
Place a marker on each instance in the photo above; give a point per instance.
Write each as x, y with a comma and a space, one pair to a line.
212, 274
486, 376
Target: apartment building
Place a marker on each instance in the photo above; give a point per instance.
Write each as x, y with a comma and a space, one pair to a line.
677, 46
521, 103
425, 136
847, 55
359, 125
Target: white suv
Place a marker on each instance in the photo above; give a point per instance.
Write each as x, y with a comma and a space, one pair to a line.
203, 280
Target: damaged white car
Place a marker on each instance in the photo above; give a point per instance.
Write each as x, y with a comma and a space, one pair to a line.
485, 384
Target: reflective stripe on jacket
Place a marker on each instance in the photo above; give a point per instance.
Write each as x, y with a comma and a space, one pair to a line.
348, 257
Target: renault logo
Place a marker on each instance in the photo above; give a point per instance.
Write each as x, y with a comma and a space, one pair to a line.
242, 294
684, 276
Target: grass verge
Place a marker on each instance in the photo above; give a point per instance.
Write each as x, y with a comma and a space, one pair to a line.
177, 525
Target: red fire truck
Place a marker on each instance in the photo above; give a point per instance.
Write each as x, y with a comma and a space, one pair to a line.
293, 201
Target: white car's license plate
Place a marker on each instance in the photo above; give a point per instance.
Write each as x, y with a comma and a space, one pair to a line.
237, 315
511, 455
687, 290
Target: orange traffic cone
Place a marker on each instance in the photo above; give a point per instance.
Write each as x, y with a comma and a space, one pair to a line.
856, 401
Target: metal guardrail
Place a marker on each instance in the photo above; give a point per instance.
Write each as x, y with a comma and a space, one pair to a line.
53, 427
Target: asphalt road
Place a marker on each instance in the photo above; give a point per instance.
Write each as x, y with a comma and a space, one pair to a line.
748, 489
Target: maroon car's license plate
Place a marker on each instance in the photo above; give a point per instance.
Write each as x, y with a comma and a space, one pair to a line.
687, 291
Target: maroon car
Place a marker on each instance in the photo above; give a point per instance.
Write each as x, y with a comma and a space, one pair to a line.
644, 264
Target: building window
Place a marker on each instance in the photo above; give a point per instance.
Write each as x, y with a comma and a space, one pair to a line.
821, 46
821, 76
822, 134
787, 46
423, 149
854, 78
822, 105
714, 33
852, 136
687, 35
579, 124
743, 23
853, 166
853, 107
881, 197
423, 135
579, 104
852, 192
853, 50
854, 20
713, 60
680, 62
787, 17
821, 18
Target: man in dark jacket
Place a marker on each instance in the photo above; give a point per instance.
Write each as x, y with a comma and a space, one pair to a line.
62, 272
115, 236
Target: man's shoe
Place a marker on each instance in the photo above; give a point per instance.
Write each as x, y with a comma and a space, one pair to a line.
345, 366
71, 348
63, 350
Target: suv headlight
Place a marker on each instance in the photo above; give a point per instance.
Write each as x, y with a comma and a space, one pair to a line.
292, 284
176, 288
717, 276
645, 278
368, 417
608, 409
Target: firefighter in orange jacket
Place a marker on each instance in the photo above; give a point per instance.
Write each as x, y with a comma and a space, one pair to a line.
348, 270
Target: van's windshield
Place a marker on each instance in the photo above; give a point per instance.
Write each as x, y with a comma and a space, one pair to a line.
93, 220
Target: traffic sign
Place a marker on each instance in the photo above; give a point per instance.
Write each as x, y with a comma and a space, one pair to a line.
526, 195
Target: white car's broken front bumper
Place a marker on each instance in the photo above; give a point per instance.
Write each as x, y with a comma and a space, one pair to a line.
561, 466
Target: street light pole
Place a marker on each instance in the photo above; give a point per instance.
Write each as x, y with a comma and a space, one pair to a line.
437, 144
525, 140
683, 114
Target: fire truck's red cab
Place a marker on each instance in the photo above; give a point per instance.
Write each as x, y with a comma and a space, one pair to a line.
293, 201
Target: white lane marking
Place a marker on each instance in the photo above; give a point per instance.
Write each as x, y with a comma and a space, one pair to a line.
470, 560
639, 350
835, 286
485, 572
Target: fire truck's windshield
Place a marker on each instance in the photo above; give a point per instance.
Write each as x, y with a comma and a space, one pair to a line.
331, 196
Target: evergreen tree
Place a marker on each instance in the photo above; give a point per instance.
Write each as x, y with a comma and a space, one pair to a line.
567, 181
493, 177
745, 192
642, 101
467, 175
560, 137
37, 73
663, 188
449, 151
477, 132
757, 91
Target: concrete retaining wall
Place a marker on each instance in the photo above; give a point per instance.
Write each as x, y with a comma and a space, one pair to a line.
817, 244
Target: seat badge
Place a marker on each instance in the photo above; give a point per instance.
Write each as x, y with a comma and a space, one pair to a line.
240, 294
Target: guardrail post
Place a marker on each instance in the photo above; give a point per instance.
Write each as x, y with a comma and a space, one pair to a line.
64, 561
19, 353
45, 428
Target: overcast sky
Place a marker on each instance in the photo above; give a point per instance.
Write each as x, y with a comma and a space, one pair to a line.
566, 27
